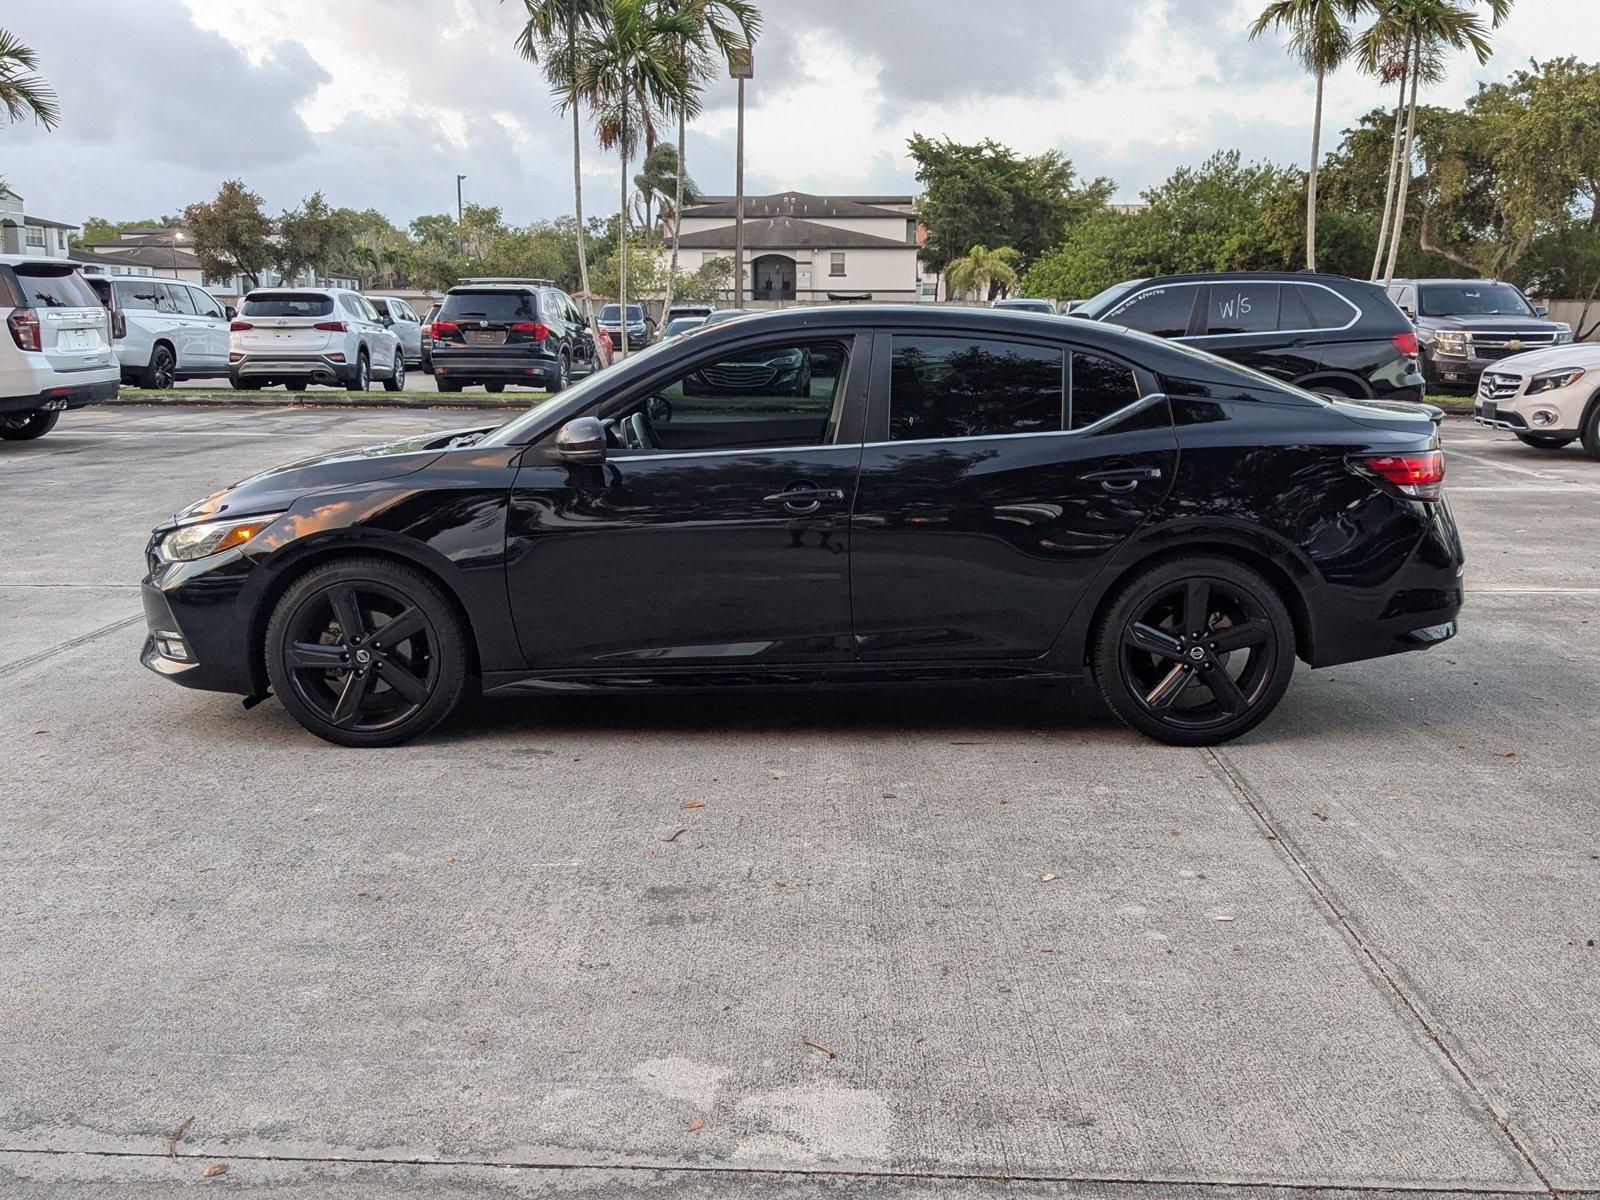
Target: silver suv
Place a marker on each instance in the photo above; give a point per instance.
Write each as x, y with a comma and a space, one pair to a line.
164, 330
55, 352
300, 336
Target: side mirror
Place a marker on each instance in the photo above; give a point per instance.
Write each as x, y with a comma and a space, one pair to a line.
229, 311
582, 440
1541, 310
388, 321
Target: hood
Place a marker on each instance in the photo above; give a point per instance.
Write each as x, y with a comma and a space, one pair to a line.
280, 487
1516, 324
1552, 358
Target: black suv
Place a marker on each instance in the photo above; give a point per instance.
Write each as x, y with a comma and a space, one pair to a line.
1463, 325
1325, 333
505, 331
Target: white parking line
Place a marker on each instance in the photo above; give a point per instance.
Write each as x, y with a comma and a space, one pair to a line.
1499, 466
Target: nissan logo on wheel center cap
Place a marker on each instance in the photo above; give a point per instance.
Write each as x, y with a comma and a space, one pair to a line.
1195, 653
363, 656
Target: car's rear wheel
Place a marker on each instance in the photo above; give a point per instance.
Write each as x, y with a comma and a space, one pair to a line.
494, 387
447, 385
27, 426
162, 369
245, 385
1541, 441
296, 385
397, 378
362, 379
1194, 651
563, 374
366, 652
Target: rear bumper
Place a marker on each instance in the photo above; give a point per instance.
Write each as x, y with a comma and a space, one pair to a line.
64, 395
314, 368
476, 368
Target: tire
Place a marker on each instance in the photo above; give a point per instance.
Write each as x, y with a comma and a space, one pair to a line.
28, 426
299, 385
397, 380
563, 375
1591, 428
316, 682
244, 385
447, 385
362, 379
162, 369
1543, 442
494, 387
1158, 679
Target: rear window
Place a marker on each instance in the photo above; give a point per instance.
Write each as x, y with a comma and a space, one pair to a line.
50, 287
287, 304
610, 311
489, 306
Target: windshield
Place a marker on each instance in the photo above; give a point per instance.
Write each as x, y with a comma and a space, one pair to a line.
726, 314
523, 424
1473, 300
610, 311
1100, 299
684, 324
1038, 306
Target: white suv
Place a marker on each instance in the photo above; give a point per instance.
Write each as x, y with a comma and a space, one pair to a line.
55, 352
1548, 398
297, 336
164, 330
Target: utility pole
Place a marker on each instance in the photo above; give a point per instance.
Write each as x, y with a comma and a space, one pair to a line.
460, 212
741, 65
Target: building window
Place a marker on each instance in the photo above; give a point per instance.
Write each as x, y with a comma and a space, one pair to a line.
36, 236
836, 262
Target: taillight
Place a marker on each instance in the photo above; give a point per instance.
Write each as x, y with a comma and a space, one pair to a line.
240, 326
538, 329
24, 325
440, 328
1406, 343
332, 326
1419, 475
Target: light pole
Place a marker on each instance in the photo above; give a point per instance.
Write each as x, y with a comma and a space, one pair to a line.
459, 211
741, 65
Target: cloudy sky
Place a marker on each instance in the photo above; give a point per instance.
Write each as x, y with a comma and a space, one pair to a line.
381, 102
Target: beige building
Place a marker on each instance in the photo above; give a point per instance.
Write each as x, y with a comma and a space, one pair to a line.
23, 233
807, 249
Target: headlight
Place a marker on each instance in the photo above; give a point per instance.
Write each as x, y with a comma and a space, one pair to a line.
1554, 379
1563, 335
1454, 340
189, 542
789, 358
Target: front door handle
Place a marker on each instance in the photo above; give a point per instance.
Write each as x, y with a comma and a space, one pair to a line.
1121, 479
802, 498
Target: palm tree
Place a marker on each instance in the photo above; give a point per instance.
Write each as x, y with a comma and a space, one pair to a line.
1320, 38
722, 27
23, 92
627, 68
982, 271
1424, 30
551, 36
660, 183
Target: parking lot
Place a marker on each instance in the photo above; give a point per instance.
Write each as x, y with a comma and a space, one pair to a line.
931, 942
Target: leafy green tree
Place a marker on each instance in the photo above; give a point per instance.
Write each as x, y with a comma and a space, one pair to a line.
628, 71
1321, 40
98, 230
550, 37
230, 234
988, 195
660, 185
310, 236
983, 273
23, 91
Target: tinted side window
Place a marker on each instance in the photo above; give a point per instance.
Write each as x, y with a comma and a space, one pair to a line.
1163, 311
951, 387
178, 300
205, 304
1242, 306
1100, 387
138, 297
348, 303
1329, 310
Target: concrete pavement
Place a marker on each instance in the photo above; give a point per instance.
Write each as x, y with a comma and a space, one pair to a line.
951, 942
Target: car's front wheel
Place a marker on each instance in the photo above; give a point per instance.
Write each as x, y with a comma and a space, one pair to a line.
25, 427
366, 652
1194, 651
1540, 441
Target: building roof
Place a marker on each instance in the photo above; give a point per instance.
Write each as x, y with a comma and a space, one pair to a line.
47, 223
787, 233
799, 204
166, 256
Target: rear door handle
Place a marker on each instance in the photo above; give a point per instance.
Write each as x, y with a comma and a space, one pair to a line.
805, 499
1121, 479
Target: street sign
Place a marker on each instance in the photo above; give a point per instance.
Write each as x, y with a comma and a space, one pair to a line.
741, 63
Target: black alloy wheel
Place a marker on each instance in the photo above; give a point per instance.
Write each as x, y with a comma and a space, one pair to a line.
366, 652
1195, 651
24, 427
162, 371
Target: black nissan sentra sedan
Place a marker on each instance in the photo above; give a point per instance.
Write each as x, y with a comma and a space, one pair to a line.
866, 493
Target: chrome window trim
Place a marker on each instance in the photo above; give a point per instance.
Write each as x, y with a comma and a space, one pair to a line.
1139, 405
680, 455
1110, 317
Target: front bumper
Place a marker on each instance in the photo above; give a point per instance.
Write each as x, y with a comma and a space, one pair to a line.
62, 396
1554, 413
197, 624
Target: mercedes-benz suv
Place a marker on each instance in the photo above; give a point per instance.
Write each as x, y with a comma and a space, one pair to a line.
1465, 325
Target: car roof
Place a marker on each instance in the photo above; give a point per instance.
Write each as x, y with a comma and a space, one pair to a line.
1277, 276
41, 260
1443, 279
